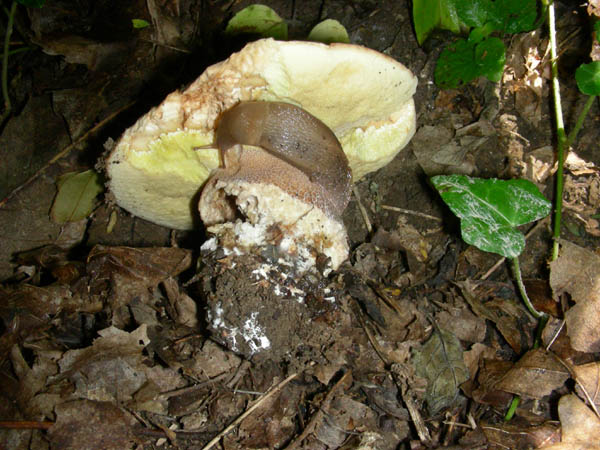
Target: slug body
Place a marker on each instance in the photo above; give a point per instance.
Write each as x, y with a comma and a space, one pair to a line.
293, 135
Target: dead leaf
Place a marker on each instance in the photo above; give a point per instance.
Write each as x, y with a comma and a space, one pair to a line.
440, 361
520, 436
90, 425
588, 376
580, 426
535, 375
577, 272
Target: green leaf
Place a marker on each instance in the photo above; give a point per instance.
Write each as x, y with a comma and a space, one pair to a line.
440, 361
140, 23
430, 14
260, 20
474, 13
490, 58
455, 65
513, 16
597, 30
329, 31
588, 78
491, 209
32, 3
76, 194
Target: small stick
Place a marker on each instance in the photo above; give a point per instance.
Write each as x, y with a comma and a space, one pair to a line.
64, 152
410, 212
362, 209
249, 411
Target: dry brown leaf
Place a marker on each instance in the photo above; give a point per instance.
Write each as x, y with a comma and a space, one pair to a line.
580, 426
535, 375
518, 436
577, 272
588, 376
85, 424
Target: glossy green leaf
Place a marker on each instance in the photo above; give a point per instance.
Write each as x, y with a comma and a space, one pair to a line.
440, 361
588, 78
329, 31
490, 210
139, 23
76, 196
490, 58
32, 3
474, 13
430, 14
260, 20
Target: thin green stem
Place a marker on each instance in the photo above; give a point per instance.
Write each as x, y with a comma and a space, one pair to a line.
560, 133
573, 134
512, 408
517, 274
9, 29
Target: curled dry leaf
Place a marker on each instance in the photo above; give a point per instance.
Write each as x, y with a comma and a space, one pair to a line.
577, 272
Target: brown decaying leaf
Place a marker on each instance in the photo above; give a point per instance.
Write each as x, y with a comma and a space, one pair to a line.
92, 425
505, 314
520, 435
490, 372
440, 361
535, 375
580, 426
577, 272
588, 376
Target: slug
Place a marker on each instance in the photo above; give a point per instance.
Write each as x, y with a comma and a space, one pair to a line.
293, 135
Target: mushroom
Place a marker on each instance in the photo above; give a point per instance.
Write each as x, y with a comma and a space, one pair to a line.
350, 95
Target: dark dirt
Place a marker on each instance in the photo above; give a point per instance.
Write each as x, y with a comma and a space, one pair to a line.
193, 340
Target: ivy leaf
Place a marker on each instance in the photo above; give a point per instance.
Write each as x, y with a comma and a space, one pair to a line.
329, 31
588, 78
76, 194
490, 210
430, 14
490, 58
513, 16
260, 20
440, 361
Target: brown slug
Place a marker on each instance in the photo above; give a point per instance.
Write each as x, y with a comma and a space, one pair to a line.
293, 135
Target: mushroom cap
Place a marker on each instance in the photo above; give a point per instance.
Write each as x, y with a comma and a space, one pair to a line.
364, 96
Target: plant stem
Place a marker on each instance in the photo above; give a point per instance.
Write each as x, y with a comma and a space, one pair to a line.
580, 119
560, 133
517, 273
9, 29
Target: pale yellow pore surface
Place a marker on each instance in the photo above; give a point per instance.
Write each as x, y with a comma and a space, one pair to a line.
365, 97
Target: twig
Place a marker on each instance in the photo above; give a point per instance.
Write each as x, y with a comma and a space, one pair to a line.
7, 35
64, 152
316, 418
249, 411
362, 209
410, 212
556, 334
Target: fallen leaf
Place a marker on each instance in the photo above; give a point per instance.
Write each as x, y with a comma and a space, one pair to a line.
577, 272
90, 425
535, 375
580, 426
76, 196
588, 377
440, 361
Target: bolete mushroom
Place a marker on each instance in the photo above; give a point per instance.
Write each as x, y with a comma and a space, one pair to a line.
362, 98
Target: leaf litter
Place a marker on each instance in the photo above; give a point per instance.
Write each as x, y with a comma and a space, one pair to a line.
119, 345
